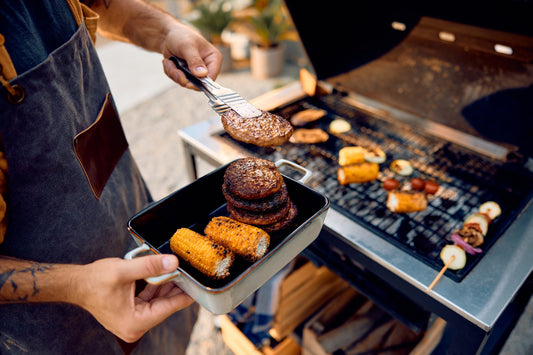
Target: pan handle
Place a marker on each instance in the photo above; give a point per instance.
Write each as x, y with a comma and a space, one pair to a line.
307, 173
155, 280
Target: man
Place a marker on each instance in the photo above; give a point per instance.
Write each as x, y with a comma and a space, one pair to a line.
72, 183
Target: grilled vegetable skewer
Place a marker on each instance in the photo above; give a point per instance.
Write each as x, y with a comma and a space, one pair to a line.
468, 237
491, 209
476, 226
455, 252
453, 258
441, 272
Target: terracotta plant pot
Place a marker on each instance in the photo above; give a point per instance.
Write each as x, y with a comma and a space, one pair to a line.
267, 62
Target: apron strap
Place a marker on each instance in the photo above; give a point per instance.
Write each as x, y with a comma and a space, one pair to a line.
83, 12
91, 20
15, 93
75, 8
7, 68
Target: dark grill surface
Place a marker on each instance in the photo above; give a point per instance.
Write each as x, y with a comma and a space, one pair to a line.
466, 179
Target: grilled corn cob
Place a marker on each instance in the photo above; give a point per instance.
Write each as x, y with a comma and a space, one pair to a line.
351, 155
357, 173
406, 201
202, 253
243, 239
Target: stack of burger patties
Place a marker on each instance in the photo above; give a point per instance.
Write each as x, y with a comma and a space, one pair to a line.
256, 194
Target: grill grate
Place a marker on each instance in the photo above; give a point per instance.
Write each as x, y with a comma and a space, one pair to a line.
466, 180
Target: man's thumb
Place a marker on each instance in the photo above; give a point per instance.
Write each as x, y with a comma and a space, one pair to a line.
152, 265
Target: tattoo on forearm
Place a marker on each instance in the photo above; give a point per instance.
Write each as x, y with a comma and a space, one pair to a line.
8, 279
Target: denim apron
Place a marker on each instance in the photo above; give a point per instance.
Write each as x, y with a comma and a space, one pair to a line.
73, 185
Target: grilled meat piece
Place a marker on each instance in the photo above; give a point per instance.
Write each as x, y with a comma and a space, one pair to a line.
203, 254
256, 194
245, 240
309, 136
471, 233
271, 202
304, 117
283, 223
265, 130
253, 178
260, 218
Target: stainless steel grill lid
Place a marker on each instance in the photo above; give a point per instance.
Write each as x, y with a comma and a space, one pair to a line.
467, 66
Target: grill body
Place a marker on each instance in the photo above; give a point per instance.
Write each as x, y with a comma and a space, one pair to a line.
433, 83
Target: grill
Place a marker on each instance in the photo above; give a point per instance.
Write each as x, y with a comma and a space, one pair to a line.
415, 66
467, 179
447, 86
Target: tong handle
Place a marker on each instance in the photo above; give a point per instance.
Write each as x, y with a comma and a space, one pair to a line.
198, 82
220, 97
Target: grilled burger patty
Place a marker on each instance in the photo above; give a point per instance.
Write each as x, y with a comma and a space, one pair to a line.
252, 178
256, 194
283, 223
259, 218
268, 203
265, 130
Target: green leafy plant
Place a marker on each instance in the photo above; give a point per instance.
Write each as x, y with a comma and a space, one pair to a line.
268, 23
213, 18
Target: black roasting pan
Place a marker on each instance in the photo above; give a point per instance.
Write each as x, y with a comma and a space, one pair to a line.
194, 205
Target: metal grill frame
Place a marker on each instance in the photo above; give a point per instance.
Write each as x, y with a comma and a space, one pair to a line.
467, 179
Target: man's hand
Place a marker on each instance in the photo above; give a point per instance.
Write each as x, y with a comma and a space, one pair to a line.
201, 56
106, 288
147, 26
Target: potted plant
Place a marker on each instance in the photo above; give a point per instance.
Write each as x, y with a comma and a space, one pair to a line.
211, 19
267, 25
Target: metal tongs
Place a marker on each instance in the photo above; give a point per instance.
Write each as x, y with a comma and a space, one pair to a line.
220, 98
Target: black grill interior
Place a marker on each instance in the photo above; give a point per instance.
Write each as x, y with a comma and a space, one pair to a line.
466, 179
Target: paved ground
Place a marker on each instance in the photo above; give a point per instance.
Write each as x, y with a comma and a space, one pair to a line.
153, 109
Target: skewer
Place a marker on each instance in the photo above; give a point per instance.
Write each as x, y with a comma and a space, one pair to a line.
439, 275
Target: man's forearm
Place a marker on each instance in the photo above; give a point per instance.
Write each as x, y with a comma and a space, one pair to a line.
134, 21
28, 281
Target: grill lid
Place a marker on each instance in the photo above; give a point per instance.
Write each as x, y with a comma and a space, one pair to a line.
468, 67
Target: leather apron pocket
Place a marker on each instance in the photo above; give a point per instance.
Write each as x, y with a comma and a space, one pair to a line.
100, 146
